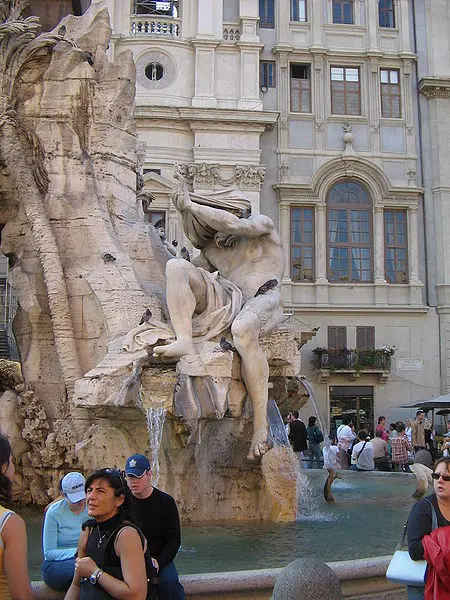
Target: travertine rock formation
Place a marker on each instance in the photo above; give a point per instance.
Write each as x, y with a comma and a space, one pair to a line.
85, 267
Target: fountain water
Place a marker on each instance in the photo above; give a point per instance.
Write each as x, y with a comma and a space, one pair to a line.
155, 423
276, 425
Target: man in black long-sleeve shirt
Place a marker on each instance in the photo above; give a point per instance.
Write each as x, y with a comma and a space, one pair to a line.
157, 515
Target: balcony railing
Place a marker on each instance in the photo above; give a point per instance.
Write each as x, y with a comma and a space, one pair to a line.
370, 360
151, 25
231, 32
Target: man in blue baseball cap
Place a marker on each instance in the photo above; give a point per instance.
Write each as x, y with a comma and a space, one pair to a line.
157, 515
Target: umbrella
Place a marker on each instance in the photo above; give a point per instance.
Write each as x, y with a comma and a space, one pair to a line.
439, 402
443, 411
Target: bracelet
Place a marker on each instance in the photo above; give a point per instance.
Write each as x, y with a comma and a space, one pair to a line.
99, 574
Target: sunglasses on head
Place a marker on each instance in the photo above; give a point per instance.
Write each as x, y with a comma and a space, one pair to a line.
437, 475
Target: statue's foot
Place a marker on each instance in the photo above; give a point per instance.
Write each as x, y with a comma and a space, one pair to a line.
261, 443
175, 349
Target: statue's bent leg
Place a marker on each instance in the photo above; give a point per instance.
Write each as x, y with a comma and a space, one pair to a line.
255, 373
186, 294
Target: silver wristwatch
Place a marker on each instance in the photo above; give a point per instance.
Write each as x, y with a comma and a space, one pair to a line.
95, 575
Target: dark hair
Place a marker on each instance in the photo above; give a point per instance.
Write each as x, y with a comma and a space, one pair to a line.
295, 413
117, 481
444, 459
346, 420
362, 434
393, 425
5, 457
381, 419
400, 426
419, 412
378, 433
312, 421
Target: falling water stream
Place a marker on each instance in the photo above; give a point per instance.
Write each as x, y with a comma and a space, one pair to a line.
155, 424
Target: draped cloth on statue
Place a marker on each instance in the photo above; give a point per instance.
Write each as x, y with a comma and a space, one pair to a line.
196, 229
224, 302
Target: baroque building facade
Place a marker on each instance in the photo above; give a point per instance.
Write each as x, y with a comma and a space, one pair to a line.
333, 117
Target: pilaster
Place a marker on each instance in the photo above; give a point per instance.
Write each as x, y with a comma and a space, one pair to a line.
285, 234
204, 74
413, 247
321, 244
379, 246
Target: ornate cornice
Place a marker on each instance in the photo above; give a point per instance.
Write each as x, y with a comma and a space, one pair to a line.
205, 175
434, 87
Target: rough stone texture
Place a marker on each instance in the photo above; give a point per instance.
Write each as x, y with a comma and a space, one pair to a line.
84, 402
307, 579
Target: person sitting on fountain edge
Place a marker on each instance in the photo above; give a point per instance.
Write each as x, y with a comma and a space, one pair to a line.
157, 516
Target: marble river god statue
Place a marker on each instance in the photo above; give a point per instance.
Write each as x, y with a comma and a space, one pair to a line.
233, 282
85, 265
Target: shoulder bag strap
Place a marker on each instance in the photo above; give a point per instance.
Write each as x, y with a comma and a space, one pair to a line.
360, 452
434, 523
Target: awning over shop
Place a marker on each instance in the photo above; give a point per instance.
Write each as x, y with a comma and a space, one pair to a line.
439, 402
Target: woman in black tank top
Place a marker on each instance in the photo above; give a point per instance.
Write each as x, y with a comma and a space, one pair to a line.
110, 561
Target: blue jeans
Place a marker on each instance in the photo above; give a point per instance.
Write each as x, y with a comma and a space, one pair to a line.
414, 592
169, 586
58, 574
315, 461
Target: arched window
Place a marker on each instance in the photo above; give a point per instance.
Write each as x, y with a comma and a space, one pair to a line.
349, 239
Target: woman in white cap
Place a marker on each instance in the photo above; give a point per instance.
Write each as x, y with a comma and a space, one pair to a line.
62, 528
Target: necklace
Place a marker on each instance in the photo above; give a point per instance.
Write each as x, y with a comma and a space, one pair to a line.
101, 537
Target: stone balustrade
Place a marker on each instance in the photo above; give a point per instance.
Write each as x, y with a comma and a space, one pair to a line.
231, 32
151, 25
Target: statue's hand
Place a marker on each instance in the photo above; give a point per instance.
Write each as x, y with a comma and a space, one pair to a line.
181, 198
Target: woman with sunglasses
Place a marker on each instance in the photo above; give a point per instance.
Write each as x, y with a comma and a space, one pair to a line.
110, 562
421, 519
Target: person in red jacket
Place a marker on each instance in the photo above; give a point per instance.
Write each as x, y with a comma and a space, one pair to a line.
423, 542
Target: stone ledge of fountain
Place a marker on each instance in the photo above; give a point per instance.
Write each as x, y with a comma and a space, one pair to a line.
362, 578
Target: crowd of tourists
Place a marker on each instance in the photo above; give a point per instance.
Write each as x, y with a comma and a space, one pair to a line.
113, 535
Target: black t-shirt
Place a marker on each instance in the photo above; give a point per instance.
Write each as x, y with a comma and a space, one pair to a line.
420, 524
298, 436
158, 518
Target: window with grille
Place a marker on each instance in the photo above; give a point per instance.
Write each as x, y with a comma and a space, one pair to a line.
267, 73
396, 246
300, 82
267, 13
298, 10
345, 91
349, 214
302, 243
390, 93
365, 337
170, 8
343, 11
337, 337
386, 13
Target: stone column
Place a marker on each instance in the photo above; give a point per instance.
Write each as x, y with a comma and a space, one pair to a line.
321, 244
283, 17
413, 247
250, 48
285, 234
378, 246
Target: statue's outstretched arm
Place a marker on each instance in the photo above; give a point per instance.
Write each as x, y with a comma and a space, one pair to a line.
225, 222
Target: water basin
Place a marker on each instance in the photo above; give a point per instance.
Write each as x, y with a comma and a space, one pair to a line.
366, 520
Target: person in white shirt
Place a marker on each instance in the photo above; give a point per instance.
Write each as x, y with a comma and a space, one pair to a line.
345, 436
362, 454
408, 431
